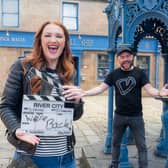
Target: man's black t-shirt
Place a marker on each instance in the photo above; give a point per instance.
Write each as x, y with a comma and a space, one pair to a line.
128, 86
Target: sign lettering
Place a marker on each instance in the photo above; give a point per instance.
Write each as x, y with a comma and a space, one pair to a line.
46, 118
12, 39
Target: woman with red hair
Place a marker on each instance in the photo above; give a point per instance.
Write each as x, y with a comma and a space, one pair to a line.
51, 56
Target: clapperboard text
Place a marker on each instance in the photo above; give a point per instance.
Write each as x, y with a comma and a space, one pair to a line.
44, 115
48, 105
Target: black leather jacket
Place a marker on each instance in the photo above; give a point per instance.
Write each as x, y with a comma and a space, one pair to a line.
18, 84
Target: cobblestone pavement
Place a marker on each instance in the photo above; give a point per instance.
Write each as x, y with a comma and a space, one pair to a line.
92, 127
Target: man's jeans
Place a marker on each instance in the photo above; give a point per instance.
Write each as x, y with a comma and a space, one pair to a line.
65, 161
136, 125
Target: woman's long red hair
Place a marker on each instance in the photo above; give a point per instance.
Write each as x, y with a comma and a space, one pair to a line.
65, 65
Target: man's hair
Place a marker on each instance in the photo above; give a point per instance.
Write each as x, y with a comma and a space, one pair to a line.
123, 49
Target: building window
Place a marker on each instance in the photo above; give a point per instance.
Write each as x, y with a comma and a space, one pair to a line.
143, 62
70, 16
10, 13
102, 66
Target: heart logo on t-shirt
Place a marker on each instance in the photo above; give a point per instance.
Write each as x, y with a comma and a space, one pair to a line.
125, 85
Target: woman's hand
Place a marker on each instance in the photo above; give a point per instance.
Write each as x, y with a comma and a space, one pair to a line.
164, 90
73, 93
29, 138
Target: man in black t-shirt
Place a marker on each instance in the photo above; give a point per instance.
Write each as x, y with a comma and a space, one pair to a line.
128, 86
128, 81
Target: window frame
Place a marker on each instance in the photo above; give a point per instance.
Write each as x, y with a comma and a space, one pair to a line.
148, 59
4, 13
105, 67
71, 17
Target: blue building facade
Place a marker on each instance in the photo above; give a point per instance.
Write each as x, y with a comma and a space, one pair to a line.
79, 44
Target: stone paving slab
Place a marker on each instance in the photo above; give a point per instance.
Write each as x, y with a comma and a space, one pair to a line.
96, 158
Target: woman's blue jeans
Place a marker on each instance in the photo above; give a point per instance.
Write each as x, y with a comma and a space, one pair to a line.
65, 161
136, 125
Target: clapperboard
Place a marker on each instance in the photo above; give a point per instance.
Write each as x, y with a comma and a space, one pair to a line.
47, 115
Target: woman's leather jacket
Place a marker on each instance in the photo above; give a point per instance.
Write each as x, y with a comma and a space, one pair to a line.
16, 86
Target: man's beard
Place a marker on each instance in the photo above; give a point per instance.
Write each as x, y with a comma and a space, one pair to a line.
130, 65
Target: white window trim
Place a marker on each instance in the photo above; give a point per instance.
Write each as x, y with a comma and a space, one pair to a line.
5, 13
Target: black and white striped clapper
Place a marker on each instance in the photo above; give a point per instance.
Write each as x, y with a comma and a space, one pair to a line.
42, 98
67, 104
